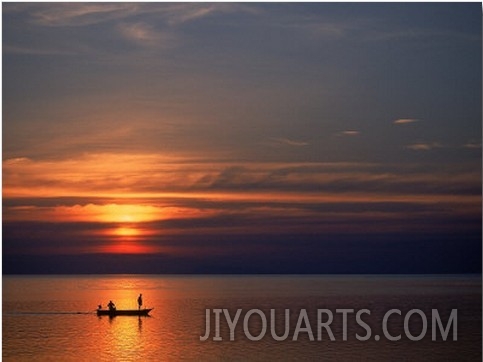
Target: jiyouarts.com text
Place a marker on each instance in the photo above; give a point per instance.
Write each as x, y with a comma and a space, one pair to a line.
327, 324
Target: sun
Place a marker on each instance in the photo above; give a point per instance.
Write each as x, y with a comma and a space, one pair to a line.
128, 239
129, 220
128, 213
128, 227
126, 231
132, 231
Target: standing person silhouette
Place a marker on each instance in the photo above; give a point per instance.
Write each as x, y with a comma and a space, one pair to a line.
140, 301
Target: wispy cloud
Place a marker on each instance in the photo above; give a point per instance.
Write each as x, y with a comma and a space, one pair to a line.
144, 34
277, 142
424, 146
182, 13
157, 29
82, 14
405, 120
349, 132
472, 145
98, 196
78, 14
143, 175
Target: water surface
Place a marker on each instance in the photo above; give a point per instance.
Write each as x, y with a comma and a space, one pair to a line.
53, 317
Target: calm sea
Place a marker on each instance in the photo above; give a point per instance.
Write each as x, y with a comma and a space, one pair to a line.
53, 317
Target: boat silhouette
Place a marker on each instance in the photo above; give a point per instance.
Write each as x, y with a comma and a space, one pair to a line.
124, 312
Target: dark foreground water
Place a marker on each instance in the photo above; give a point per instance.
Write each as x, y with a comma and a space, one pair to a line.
53, 318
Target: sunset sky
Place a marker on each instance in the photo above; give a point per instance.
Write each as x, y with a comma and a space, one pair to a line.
241, 138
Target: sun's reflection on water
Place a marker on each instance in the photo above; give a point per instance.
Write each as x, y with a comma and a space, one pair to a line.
125, 337
122, 337
171, 332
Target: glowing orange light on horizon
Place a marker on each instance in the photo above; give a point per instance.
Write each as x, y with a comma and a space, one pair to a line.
125, 213
128, 239
129, 247
126, 231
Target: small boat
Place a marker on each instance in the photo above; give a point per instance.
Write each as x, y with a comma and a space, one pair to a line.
127, 312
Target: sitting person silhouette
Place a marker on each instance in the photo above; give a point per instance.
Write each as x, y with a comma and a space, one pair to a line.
111, 306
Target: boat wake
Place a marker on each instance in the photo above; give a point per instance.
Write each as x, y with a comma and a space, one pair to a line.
47, 313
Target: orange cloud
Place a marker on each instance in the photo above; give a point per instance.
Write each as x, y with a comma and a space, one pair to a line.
424, 146
350, 132
137, 196
128, 183
405, 121
108, 213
